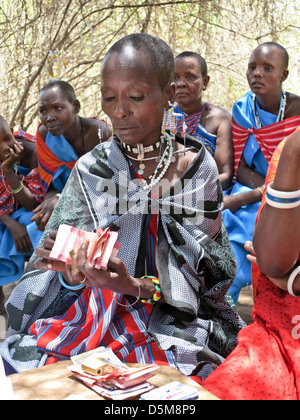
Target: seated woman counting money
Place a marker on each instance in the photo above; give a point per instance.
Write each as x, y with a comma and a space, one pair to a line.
163, 298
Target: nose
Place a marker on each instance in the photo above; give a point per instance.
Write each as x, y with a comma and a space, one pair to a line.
50, 116
122, 110
257, 72
180, 81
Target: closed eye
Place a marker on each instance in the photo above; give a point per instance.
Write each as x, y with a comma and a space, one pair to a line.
137, 98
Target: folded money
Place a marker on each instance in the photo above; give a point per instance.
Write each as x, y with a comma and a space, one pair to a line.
102, 245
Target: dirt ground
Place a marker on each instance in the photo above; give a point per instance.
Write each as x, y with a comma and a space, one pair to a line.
244, 308
245, 304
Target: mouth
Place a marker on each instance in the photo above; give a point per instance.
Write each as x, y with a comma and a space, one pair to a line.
53, 127
257, 84
180, 93
124, 130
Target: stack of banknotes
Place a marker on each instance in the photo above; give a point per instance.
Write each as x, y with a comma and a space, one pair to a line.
119, 382
102, 245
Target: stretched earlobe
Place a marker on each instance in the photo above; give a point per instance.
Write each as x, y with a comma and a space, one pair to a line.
170, 95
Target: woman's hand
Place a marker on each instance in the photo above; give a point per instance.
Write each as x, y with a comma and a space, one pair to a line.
21, 238
235, 202
13, 157
115, 278
43, 212
47, 263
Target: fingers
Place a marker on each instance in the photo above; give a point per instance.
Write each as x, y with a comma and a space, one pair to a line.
28, 248
50, 265
82, 256
251, 256
47, 263
24, 245
14, 154
249, 247
50, 241
43, 220
18, 148
252, 259
74, 269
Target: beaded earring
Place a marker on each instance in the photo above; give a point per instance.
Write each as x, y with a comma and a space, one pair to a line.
164, 124
173, 123
163, 132
104, 132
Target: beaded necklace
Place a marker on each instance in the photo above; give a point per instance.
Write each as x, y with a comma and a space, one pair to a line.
163, 165
140, 151
281, 113
164, 161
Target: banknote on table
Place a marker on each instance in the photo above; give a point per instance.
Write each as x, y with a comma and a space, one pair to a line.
102, 245
121, 383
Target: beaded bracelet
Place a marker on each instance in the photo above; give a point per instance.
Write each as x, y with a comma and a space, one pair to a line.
281, 199
157, 294
78, 287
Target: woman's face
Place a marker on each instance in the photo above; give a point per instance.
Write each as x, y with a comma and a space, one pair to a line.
189, 82
266, 71
57, 113
132, 97
7, 140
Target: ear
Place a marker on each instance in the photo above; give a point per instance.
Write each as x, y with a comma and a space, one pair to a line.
77, 106
206, 80
285, 75
169, 93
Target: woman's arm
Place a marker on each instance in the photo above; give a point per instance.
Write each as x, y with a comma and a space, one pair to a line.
22, 193
251, 179
279, 282
248, 176
224, 151
19, 234
277, 234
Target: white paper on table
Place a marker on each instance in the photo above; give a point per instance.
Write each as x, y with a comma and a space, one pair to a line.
6, 389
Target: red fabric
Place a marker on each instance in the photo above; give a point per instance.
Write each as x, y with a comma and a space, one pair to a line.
268, 138
23, 135
96, 319
266, 363
48, 163
8, 202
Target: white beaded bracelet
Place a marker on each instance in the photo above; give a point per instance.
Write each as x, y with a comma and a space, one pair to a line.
291, 281
282, 199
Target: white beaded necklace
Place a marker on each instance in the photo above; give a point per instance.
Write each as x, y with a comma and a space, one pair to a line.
164, 163
140, 151
281, 113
